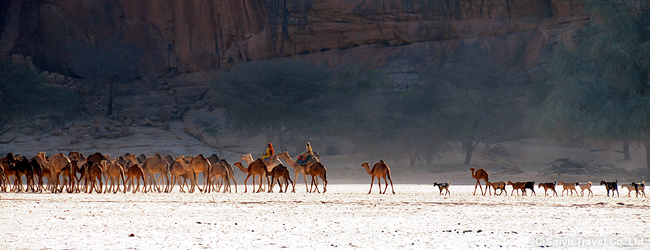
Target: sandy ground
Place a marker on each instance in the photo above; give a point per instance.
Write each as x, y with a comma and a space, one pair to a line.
346, 216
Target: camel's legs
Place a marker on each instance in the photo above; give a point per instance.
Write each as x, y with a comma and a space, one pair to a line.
261, 183
478, 184
391, 184
246, 186
372, 182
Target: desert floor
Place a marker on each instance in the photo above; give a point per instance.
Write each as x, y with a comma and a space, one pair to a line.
416, 217
346, 216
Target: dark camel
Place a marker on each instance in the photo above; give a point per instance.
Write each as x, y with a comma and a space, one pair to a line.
380, 169
279, 172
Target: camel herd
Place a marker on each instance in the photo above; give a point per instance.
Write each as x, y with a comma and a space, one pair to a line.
569, 188
100, 173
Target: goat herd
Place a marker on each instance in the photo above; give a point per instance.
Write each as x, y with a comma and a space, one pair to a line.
569, 188
78, 173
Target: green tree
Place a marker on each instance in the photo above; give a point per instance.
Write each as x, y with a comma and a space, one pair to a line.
475, 100
599, 80
281, 98
24, 95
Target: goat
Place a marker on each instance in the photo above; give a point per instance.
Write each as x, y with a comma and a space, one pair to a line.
500, 185
547, 186
636, 187
640, 187
443, 186
583, 187
517, 186
568, 187
611, 186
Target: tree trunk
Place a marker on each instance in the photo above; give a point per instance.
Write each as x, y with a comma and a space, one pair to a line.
281, 141
626, 151
469, 149
647, 156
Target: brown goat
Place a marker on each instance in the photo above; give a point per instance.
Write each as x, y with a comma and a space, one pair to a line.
499, 185
568, 187
547, 186
517, 186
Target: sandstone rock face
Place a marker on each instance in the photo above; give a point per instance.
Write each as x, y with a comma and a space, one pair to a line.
180, 36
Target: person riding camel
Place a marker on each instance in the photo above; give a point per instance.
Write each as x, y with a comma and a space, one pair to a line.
308, 156
267, 155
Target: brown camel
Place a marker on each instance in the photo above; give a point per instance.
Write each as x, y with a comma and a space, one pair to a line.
380, 169
114, 171
156, 165
92, 174
214, 159
179, 168
218, 177
198, 165
297, 168
279, 172
274, 161
41, 172
255, 168
56, 165
133, 173
317, 169
479, 175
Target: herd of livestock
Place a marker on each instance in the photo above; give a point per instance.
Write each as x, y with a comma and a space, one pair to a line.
568, 187
100, 173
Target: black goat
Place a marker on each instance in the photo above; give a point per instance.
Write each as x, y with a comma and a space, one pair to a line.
640, 188
443, 186
613, 186
529, 185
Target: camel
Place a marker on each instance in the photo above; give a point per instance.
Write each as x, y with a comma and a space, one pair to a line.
179, 168
199, 165
380, 169
279, 172
133, 173
92, 174
114, 170
41, 172
156, 165
479, 175
213, 159
57, 164
22, 167
274, 161
218, 177
317, 169
255, 168
297, 168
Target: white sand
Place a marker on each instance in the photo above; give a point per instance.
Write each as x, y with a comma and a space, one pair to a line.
346, 216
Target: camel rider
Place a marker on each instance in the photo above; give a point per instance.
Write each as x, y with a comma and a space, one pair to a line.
269, 152
308, 156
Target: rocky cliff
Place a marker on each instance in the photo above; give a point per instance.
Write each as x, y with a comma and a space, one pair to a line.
180, 36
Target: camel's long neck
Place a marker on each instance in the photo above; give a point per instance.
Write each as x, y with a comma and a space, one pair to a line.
368, 169
289, 161
473, 175
245, 170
